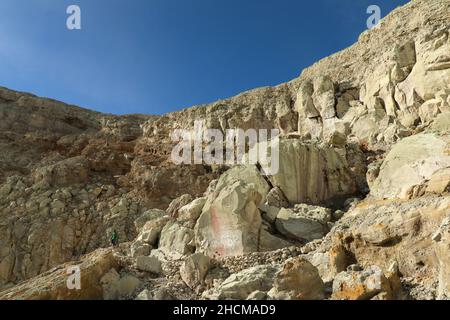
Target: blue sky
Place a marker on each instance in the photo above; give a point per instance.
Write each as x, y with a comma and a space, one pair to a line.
156, 56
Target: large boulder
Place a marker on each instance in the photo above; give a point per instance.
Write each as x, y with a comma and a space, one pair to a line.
330, 263
270, 242
194, 269
147, 216
230, 222
188, 214
411, 162
127, 285
303, 222
149, 233
246, 173
362, 285
240, 285
177, 203
52, 285
298, 280
313, 174
149, 264
175, 237
439, 182
109, 284
441, 123
115, 287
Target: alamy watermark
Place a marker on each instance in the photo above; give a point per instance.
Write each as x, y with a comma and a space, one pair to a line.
73, 21
375, 16
74, 278
236, 146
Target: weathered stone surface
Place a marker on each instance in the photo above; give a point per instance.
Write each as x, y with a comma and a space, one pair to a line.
330, 263
257, 295
439, 182
151, 231
52, 285
240, 285
286, 117
312, 174
149, 264
304, 222
441, 123
194, 269
175, 237
271, 242
361, 285
109, 284
178, 203
298, 280
429, 110
145, 295
64, 173
409, 163
276, 198
230, 222
191, 212
324, 98
246, 173
147, 216
304, 104
442, 245
127, 285
397, 232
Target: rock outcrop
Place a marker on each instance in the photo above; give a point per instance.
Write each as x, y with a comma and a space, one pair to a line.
410, 163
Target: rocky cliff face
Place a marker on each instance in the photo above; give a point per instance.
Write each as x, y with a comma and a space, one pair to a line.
359, 209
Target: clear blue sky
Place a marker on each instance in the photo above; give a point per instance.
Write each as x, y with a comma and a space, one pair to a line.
155, 56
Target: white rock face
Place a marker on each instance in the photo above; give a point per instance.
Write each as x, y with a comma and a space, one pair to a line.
410, 162
312, 174
139, 248
246, 173
230, 222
